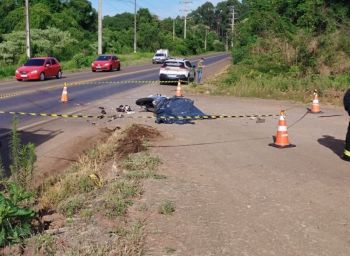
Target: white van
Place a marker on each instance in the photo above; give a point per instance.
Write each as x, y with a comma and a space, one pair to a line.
160, 56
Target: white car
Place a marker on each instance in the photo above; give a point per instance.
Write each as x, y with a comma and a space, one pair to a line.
160, 56
177, 69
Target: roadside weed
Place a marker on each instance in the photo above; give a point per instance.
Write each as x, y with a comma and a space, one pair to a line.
166, 208
119, 196
22, 158
72, 205
44, 244
169, 250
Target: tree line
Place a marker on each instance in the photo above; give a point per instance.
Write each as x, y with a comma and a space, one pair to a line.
298, 38
65, 28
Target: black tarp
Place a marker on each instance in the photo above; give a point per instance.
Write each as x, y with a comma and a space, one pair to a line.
168, 109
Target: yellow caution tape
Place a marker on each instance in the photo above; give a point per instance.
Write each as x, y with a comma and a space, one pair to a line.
46, 114
197, 117
4, 96
125, 82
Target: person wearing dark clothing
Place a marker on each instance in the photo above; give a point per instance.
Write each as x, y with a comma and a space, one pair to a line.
346, 155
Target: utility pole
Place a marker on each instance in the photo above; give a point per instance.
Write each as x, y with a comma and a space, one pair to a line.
27, 28
185, 28
206, 38
185, 10
99, 43
173, 29
232, 24
135, 37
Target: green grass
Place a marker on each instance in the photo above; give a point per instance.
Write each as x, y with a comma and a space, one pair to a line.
7, 71
166, 208
141, 161
119, 195
72, 205
142, 166
241, 81
44, 244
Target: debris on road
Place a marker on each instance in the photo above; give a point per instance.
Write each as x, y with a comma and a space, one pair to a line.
175, 106
148, 103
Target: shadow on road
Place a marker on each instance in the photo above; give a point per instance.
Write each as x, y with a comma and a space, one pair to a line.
206, 143
336, 145
36, 137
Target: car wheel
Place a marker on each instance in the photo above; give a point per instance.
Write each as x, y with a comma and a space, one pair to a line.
118, 69
110, 68
59, 75
42, 77
19, 79
93, 70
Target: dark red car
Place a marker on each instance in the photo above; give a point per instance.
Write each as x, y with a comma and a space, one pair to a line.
39, 69
106, 62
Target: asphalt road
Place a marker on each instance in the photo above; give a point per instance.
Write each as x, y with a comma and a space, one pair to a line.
43, 97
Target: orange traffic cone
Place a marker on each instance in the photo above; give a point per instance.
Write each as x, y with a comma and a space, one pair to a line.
178, 90
315, 107
282, 140
64, 97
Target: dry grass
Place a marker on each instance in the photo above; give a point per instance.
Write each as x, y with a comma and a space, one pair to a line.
245, 83
87, 204
76, 180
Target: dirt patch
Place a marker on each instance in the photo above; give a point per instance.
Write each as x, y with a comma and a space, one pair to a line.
133, 139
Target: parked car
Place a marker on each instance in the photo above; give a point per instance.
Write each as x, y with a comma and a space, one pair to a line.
160, 56
106, 62
177, 69
39, 69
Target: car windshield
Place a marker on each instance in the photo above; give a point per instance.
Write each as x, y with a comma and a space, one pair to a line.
174, 64
103, 57
35, 62
160, 54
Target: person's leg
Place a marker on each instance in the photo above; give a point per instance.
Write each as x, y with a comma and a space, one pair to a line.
346, 155
199, 76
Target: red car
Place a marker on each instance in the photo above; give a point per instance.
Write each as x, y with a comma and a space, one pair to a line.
39, 69
106, 62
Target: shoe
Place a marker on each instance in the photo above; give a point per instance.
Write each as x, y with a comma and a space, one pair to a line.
345, 158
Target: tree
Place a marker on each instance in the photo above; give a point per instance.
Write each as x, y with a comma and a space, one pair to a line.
51, 41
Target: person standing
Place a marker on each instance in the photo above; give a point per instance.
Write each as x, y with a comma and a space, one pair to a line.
346, 155
200, 70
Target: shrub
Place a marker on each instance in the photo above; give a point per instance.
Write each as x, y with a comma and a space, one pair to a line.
218, 46
80, 60
15, 220
22, 159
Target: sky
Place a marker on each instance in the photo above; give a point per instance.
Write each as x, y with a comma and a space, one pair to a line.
161, 8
